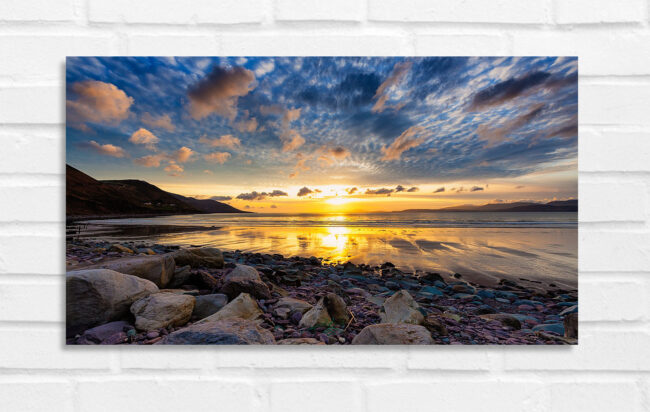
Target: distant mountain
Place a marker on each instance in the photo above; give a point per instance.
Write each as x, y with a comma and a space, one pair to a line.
554, 206
86, 197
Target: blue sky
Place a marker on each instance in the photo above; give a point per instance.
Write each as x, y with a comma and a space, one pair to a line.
217, 126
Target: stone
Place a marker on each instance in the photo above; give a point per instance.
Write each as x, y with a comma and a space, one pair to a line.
203, 280
208, 257
337, 308
570, 309
393, 334
160, 310
316, 316
101, 333
243, 307
432, 277
550, 327
207, 305
300, 341
434, 325
97, 296
431, 290
571, 326
158, 269
505, 319
401, 308
221, 332
181, 276
245, 279
119, 248
285, 306
392, 285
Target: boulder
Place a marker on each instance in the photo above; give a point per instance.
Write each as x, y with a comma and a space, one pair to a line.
181, 276
102, 333
243, 307
159, 269
285, 306
393, 334
401, 308
221, 332
203, 280
316, 316
337, 308
160, 310
196, 257
119, 248
97, 296
245, 279
300, 341
207, 305
435, 325
571, 326
506, 319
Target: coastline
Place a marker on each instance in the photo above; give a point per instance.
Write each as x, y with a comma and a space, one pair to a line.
301, 300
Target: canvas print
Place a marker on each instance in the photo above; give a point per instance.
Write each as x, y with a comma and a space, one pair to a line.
321, 200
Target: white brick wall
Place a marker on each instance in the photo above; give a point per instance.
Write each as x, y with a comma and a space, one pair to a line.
608, 371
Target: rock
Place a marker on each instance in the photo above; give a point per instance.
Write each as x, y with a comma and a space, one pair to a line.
571, 326
337, 308
570, 309
401, 308
463, 289
393, 334
431, 290
207, 305
159, 269
285, 306
550, 327
300, 341
181, 276
316, 316
97, 296
203, 280
160, 310
434, 325
101, 333
221, 332
485, 294
208, 257
392, 285
245, 279
119, 248
243, 307
432, 277
505, 319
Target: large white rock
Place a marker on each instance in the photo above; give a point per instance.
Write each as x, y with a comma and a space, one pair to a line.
160, 310
243, 307
221, 332
316, 316
401, 308
98, 296
159, 268
245, 279
393, 334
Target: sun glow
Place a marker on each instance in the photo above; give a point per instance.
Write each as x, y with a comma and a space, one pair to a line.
337, 201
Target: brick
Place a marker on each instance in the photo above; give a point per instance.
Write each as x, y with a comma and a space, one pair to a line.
306, 45
174, 12
45, 349
450, 358
599, 11
606, 151
42, 57
599, 52
179, 358
471, 11
420, 395
32, 150
598, 350
32, 104
195, 393
176, 45
320, 396
37, 10
32, 254
335, 10
595, 396
36, 396
468, 44
26, 301
25, 204
613, 251
612, 300
612, 200
614, 104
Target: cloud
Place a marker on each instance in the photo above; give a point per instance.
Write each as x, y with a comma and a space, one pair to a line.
221, 198
217, 157
149, 161
290, 115
271, 109
144, 137
161, 122
277, 193
183, 154
291, 140
96, 102
219, 91
173, 168
439, 190
105, 149
520, 187
404, 142
498, 134
273, 207
246, 123
227, 140
400, 70
261, 196
382, 191
413, 189
208, 172
304, 191
300, 165
351, 190
508, 89
475, 188
264, 67
400, 188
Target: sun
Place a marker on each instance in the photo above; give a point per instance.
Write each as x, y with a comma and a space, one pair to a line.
337, 201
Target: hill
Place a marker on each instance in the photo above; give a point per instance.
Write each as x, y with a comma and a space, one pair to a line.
554, 206
88, 197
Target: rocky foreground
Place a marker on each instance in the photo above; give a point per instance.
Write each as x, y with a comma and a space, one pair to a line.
137, 294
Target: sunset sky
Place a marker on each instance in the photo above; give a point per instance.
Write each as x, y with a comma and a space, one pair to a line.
329, 134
